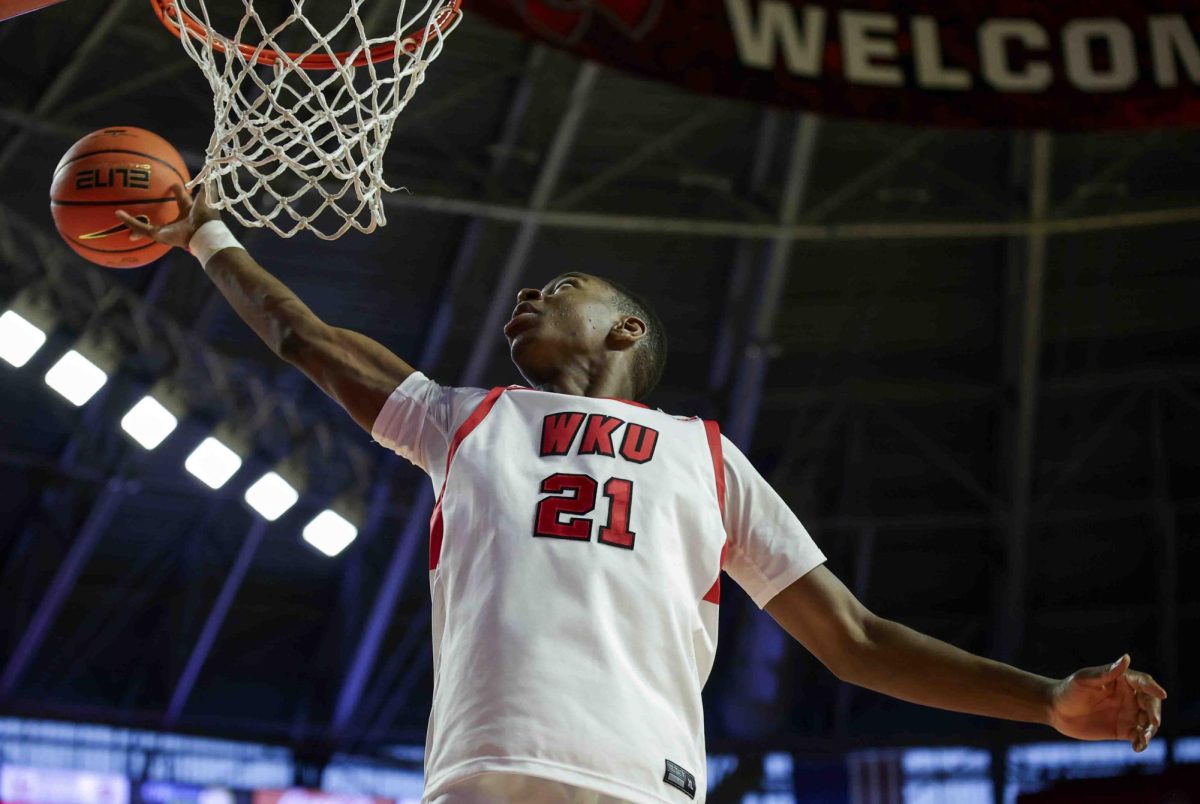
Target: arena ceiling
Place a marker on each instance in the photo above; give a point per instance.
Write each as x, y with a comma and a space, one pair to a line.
967, 359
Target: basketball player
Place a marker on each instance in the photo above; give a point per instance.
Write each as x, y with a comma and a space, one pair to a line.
575, 551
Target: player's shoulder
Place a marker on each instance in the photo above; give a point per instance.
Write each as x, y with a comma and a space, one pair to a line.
453, 402
420, 383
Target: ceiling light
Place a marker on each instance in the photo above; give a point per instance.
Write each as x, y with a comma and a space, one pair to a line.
26, 324
330, 532
76, 378
84, 370
19, 338
213, 462
157, 415
149, 422
271, 496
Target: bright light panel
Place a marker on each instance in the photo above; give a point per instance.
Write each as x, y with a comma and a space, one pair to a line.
271, 496
213, 463
329, 533
148, 422
76, 378
19, 339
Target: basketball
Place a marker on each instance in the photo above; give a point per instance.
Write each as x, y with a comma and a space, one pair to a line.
115, 168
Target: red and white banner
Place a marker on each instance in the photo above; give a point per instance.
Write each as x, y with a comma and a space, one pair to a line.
1067, 64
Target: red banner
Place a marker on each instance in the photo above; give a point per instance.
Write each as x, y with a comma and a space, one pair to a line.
1067, 64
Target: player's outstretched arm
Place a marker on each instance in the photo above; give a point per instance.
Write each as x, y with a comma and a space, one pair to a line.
357, 372
1110, 702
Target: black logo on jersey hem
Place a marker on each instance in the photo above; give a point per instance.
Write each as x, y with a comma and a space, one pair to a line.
680, 778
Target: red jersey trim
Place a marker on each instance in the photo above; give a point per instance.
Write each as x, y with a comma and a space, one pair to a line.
718, 458
607, 398
435, 521
713, 432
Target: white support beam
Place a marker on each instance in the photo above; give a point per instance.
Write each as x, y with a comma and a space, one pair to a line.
799, 232
1010, 625
650, 149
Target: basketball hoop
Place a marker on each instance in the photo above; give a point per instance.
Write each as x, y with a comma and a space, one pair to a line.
307, 127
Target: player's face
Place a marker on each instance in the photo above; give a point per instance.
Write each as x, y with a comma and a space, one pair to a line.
567, 320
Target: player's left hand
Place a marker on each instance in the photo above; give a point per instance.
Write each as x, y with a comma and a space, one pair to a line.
1109, 702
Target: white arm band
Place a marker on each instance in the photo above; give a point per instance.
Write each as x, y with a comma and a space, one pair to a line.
209, 239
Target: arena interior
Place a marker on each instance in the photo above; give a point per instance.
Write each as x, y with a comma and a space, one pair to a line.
967, 356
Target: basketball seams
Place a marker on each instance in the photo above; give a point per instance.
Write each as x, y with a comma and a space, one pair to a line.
76, 242
115, 203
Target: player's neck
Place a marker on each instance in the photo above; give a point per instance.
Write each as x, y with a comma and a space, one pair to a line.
607, 381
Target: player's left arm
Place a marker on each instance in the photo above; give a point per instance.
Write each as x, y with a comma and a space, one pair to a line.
1109, 702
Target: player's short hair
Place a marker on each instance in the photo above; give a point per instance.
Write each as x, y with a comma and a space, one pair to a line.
651, 356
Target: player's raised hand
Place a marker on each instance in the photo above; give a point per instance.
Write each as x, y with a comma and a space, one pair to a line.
1110, 702
192, 215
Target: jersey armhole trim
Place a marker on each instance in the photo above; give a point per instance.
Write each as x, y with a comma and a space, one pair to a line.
713, 433
435, 521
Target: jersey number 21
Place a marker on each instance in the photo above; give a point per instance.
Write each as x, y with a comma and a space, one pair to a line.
565, 516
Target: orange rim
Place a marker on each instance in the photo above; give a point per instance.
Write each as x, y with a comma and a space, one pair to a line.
175, 20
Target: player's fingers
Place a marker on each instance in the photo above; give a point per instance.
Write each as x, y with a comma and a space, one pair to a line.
1139, 736
183, 197
1101, 677
1142, 682
1151, 707
137, 228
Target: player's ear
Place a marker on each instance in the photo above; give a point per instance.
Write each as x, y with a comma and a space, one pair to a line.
626, 332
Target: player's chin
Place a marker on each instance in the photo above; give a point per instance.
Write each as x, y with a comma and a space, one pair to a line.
529, 352
524, 348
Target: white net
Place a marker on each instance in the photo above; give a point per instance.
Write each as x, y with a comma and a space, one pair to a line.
299, 136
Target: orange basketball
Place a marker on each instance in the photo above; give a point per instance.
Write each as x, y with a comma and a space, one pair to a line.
115, 168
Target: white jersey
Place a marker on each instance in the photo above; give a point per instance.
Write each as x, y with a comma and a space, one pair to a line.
575, 553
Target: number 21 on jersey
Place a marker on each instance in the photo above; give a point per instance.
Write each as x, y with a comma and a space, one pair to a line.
566, 513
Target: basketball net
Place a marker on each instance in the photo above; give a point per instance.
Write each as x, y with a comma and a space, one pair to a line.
299, 137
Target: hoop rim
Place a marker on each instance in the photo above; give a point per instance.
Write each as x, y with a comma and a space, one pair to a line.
177, 21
